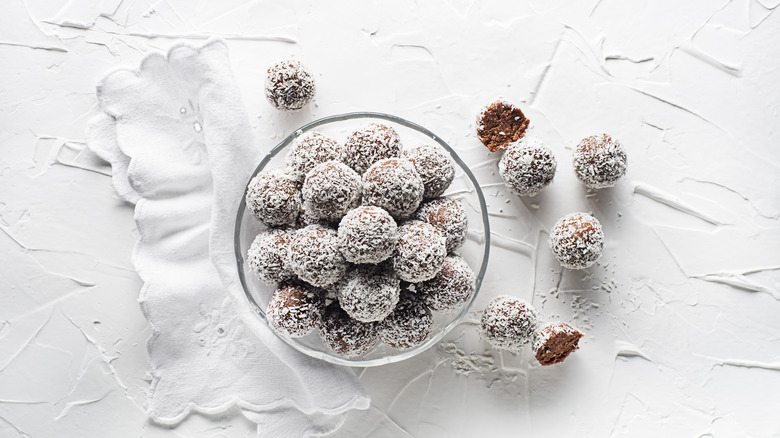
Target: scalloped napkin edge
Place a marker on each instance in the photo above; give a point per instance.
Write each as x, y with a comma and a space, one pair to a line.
178, 139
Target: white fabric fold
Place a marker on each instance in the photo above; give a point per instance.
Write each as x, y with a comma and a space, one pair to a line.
181, 149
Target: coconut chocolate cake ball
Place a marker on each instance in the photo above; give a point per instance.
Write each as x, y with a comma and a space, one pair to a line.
370, 293
554, 342
393, 184
410, 323
508, 323
269, 254
273, 197
289, 85
294, 310
434, 166
420, 252
367, 234
449, 217
315, 256
309, 150
527, 167
344, 335
599, 161
370, 144
499, 124
330, 190
577, 240
451, 287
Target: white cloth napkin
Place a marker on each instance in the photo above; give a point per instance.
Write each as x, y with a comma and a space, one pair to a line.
181, 149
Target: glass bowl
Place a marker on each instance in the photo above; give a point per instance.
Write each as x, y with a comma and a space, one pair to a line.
475, 250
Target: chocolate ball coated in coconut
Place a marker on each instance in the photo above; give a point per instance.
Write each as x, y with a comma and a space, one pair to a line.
370, 144
599, 161
554, 342
527, 167
499, 124
330, 190
394, 185
294, 310
577, 240
344, 335
309, 150
434, 166
269, 254
289, 85
367, 234
370, 293
315, 256
273, 197
508, 323
452, 287
410, 323
420, 252
449, 217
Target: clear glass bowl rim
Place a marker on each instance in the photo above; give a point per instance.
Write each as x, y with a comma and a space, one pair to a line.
401, 355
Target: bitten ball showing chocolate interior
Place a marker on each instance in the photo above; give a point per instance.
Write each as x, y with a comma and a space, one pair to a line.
289, 85
330, 190
434, 166
420, 252
452, 287
344, 335
527, 167
367, 234
309, 150
449, 217
508, 323
273, 197
499, 124
315, 256
369, 293
294, 310
599, 161
269, 254
369, 144
577, 240
393, 184
409, 324
554, 342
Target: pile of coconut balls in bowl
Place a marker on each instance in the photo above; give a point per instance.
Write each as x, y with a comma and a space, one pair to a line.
360, 243
577, 240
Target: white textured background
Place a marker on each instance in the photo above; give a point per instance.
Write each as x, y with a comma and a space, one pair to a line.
682, 314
